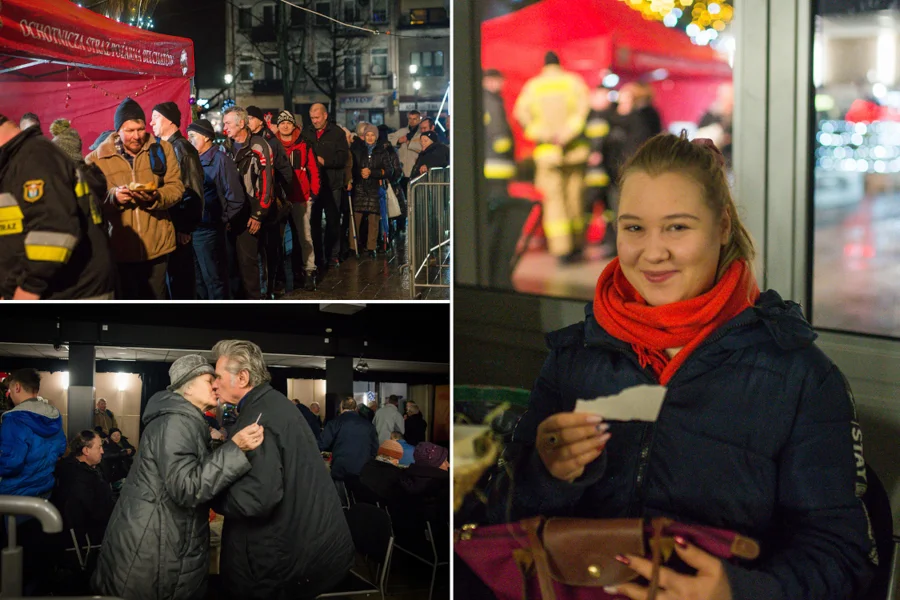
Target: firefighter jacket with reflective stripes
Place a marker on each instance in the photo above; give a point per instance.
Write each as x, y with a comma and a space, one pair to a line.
498, 153
553, 106
595, 131
51, 240
254, 165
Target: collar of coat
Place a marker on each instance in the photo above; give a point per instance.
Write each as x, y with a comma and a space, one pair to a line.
108, 147
252, 395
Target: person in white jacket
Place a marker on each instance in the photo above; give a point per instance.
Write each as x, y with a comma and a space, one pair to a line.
388, 420
406, 141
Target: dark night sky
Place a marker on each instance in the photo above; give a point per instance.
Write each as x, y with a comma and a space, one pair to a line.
204, 22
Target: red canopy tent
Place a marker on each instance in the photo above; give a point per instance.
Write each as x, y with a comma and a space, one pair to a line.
59, 60
593, 36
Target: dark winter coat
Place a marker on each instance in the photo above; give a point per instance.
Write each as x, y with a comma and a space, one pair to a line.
157, 541
352, 441
186, 215
31, 441
116, 461
437, 155
367, 192
332, 148
315, 424
757, 434
415, 429
284, 525
83, 498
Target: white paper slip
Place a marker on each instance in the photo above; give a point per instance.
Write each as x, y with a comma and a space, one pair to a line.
640, 403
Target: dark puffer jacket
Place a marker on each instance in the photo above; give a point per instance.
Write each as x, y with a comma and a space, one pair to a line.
284, 532
366, 192
352, 440
83, 498
757, 434
157, 541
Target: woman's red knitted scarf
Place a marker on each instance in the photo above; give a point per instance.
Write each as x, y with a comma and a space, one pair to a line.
621, 311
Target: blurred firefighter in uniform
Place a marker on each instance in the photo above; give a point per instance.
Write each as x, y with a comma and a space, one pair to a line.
52, 244
553, 109
596, 178
499, 165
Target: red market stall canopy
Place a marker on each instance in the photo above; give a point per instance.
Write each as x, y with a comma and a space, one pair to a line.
59, 60
593, 37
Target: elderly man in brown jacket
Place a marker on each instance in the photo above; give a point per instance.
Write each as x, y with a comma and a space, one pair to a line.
141, 231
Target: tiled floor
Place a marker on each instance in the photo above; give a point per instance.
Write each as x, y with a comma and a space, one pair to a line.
385, 277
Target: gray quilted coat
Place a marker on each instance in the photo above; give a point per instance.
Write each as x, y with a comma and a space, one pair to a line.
157, 542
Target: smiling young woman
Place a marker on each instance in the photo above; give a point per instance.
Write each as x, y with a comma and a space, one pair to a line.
756, 430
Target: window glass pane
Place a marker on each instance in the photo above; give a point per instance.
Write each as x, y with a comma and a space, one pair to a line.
245, 70
298, 17
245, 18
856, 194
641, 67
325, 9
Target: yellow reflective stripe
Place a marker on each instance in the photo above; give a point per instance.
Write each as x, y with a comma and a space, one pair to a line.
596, 178
11, 227
496, 169
10, 213
597, 128
556, 84
49, 246
557, 228
82, 189
502, 145
47, 253
547, 150
487, 118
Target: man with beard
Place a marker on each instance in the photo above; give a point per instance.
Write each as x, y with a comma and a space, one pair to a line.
329, 143
285, 535
253, 157
166, 122
144, 181
157, 542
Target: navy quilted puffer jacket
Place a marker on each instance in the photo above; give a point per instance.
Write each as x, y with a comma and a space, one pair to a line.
757, 434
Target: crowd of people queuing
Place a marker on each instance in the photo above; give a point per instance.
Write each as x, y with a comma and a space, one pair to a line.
284, 531
582, 140
160, 209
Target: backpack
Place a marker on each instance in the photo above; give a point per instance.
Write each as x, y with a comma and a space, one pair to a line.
158, 161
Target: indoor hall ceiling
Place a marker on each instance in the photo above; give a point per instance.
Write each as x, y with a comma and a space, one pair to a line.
169, 355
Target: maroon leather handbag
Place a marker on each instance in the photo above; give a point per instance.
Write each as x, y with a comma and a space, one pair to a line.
573, 559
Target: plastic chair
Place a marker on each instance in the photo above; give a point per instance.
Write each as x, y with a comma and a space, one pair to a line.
370, 528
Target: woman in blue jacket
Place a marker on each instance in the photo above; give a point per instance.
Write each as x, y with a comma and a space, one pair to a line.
757, 429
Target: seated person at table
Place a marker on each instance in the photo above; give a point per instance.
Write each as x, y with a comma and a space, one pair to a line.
757, 428
157, 542
83, 497
118, 455
408, 449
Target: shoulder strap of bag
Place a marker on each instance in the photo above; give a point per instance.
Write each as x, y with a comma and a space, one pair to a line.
541, 564
158, 161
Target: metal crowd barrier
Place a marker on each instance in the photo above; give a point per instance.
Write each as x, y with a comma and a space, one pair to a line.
428, 230
11, 556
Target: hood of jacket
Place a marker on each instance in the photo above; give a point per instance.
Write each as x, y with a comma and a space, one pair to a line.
40, 417
169, 403
772, 319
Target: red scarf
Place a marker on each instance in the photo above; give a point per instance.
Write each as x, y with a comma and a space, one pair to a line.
621, 311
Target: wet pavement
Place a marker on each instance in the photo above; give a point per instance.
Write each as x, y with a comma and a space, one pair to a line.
384, 277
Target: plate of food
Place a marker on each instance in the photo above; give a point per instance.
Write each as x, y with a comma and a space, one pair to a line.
142, 187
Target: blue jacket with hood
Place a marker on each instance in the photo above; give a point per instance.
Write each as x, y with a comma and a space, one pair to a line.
31, 441
757, 434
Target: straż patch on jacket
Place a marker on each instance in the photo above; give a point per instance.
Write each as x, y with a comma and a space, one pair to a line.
33, 190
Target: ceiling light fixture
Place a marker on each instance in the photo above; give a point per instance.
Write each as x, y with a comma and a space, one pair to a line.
362, 366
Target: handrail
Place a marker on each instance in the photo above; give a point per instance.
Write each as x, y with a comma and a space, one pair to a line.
428, 228
40, 509
11, 556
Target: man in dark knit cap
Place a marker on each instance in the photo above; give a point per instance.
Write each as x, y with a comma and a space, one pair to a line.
223, 200
144, 181
166, 122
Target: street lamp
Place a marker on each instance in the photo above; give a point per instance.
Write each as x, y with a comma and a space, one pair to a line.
413, 69
417, 85
229, 78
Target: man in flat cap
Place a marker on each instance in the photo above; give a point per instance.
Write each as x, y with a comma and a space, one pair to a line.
166, 123
144, 181
166, 496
